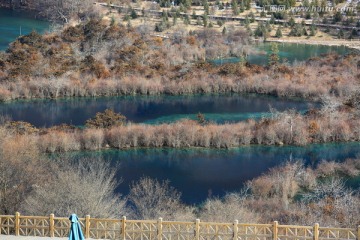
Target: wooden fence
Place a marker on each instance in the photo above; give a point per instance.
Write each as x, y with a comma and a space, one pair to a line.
52, 226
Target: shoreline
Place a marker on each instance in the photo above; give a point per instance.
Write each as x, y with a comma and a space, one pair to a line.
355, 44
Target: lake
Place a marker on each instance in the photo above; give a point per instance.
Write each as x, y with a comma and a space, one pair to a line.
288, 52
199, 173
149, 109
16, 23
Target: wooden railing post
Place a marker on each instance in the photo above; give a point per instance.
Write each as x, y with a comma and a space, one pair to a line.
87, 226
316, 232
197, 229
123, 227
51, 225
236, 230
159, 229
358, 233
275, 230
17, 224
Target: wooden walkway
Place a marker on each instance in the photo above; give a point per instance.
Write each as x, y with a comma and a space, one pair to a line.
51, 226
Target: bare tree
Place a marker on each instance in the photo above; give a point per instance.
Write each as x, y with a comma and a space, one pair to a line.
64, 10
83, 188
231, 208
330, 203
21, 167
151, 199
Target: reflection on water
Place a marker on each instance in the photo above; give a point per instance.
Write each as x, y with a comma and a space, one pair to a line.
288, 52
150, 109
198, 172
15, 23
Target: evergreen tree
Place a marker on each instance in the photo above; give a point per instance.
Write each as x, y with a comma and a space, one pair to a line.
268, 26
337, 17
205, 20
354, 32
312, 30
221, 6
242, 61
187, 4
249, 31
186, 20
291, 22
220, 23
274, 55
296, 31
252, 17
194, 15
206, 7
235, 7
278, 33
247, 21
242, 6
272, 19
201, 118
304, 32
174, 19
133, 14
261, 31
341, 34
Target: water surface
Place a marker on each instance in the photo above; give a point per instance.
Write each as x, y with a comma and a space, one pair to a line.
148, 109
199, 173
288, 52
16, 23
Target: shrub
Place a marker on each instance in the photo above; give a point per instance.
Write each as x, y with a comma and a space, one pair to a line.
96, 183
106, 119
151, 199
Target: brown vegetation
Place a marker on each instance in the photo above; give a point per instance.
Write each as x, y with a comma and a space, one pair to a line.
334, 122
106, 119
82, 187
149, 199
292, 193
302, 195
95, 59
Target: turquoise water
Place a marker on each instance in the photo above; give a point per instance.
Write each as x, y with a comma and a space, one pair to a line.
15, 23
288, 52
199, 173
149, 109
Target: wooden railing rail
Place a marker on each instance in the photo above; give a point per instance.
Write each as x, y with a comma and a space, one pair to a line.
98, 228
